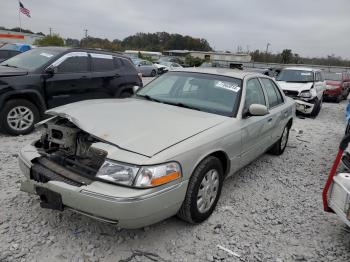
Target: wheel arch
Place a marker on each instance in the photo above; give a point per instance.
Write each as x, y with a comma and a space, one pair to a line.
222, 156
32, 96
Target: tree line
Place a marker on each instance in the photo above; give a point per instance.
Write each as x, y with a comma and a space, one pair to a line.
161, 41
288, 57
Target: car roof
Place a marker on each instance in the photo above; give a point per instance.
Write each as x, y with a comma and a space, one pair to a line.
79, 49
302, 68
235, 73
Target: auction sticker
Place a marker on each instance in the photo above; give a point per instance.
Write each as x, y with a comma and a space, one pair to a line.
46, 55
228, 86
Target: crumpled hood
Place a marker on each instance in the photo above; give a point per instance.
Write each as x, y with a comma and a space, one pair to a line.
11, 71
136, 125
292, 86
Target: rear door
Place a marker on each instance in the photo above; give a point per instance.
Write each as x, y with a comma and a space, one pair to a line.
278, 115
70, 81
106, 76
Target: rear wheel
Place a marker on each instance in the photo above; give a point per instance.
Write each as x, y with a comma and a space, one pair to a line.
18, 117
203, 191
279, 147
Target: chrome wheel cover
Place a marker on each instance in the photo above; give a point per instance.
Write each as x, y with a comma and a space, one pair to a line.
20, 118
208, 191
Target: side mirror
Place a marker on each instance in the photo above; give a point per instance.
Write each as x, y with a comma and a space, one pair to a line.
50, 71
258, 110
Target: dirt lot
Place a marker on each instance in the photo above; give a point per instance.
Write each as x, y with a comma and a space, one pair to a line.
270, 211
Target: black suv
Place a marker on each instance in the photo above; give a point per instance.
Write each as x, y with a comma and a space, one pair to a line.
47, 77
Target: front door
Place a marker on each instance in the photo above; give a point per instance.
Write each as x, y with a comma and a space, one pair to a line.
70, 81
256, 130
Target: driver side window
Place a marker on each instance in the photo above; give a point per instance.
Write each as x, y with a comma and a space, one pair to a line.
254, 94
74, 64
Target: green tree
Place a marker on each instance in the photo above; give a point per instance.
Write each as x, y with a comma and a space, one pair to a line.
50, 40
286, 56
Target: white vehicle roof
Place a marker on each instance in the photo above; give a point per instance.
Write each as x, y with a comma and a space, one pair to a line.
218, 71
302, 68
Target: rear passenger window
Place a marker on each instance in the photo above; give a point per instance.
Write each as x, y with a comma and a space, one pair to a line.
102, 62
254, 94
74, 64
273, 94
127, 65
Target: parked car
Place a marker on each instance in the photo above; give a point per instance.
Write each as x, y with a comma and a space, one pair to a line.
305, 86
146, 68
338, 86
7, 53
164, 67
17, 47
336, 192
165, 151
44, 78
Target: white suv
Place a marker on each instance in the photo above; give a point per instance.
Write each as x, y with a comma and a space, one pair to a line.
305, 86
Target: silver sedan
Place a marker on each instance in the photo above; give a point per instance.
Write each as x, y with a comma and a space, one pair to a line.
166, 151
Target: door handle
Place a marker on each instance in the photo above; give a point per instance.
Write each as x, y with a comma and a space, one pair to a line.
83, 77
269, 120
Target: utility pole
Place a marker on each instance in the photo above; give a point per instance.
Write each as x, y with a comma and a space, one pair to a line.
267, 47
50, 29
86, 33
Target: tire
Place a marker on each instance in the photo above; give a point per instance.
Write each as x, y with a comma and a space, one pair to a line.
153, 73
21, 109
316, 109
339, 99
279, 147
125, 94
190, 211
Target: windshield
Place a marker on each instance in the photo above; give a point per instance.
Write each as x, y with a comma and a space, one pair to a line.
204, 92
32, 59
9, 46
290, 75
333, 76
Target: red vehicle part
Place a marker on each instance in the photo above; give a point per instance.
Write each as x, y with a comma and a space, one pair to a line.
343, 145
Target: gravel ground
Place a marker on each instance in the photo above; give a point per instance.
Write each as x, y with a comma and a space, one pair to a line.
269, 211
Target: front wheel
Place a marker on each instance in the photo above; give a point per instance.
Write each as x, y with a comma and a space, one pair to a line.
317, 108
279, 147
18, 117
153, 73
203, 191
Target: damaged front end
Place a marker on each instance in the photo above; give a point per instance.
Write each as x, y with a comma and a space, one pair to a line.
66, 154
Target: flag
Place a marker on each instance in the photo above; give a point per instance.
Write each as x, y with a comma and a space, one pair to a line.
24, 10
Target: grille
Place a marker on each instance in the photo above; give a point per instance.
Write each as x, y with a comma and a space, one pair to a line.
291, 93
42, 174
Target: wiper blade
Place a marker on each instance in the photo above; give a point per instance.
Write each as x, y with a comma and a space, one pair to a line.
183, 105
9, 65
150, 98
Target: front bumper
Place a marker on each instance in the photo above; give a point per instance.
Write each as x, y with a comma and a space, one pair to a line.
339, 197
305, 107
127, 207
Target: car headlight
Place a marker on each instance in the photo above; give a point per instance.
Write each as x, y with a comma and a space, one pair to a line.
308, 94
141, 177
117, 172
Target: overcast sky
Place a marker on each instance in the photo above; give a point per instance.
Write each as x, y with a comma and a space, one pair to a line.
310, 28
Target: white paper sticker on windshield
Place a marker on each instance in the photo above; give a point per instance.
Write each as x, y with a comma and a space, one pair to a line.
46, 55
305, 74
228, 86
